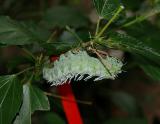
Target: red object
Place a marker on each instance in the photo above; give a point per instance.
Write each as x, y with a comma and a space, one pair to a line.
54, 58
70, 106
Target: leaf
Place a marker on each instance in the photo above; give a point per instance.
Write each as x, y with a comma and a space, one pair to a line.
14, 33
60, 47
66, 42
10, 98
69, 37
127, 121
17, 61
106, 8
24, 116
140, 30
66, 16
150, 68
125, 102
52, 118
152, 71
39, 100
33, 99
134, 46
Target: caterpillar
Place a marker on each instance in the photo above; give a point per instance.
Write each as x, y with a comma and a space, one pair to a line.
80, 66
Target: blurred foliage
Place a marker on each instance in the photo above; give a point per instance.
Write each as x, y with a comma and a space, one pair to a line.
62, 15
127, 121
37, 30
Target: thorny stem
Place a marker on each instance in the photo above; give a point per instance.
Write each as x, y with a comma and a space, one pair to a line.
65, 98
110, 21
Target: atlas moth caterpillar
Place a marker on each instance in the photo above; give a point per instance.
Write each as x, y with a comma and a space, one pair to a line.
80, 66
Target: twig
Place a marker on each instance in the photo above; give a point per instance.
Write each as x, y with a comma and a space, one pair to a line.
74, 34
101, 59
97, 28
29, 53
67, 99
110, 21
27, 69
102, 52
51, 37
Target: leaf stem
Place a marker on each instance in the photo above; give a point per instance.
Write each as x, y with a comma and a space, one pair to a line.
110, 21
65, 98
97, 28
74, 34
142, 17
51, 37
27, 69
29, 53
101, 60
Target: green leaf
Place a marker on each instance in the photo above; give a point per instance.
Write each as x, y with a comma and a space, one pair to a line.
62, 16
14, 33
106, 8
60, 47
69, 37
38, 99
10, 98
127, 121
66, 42
150, 68
134, 46
33, 99
52, 118
146, 32
152, 71
24, 116
125, 102
17, 61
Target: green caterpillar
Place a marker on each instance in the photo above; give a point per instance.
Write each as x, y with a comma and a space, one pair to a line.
80, 66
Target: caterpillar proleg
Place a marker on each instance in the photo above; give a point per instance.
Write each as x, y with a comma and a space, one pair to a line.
80, 66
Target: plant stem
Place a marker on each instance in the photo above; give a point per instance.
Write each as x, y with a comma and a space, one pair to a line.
102, 61
40, 58
102, 52
97, 28
131, 22
142, 17
74, 34
110, 21
27, 69
51, 37
65, 98
29, 53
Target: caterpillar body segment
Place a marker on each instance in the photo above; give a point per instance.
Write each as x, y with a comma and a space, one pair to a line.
80, 66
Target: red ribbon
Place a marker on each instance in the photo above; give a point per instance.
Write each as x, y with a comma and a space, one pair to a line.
70, 106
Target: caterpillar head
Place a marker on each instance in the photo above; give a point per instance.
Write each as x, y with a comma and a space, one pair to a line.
80, 66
